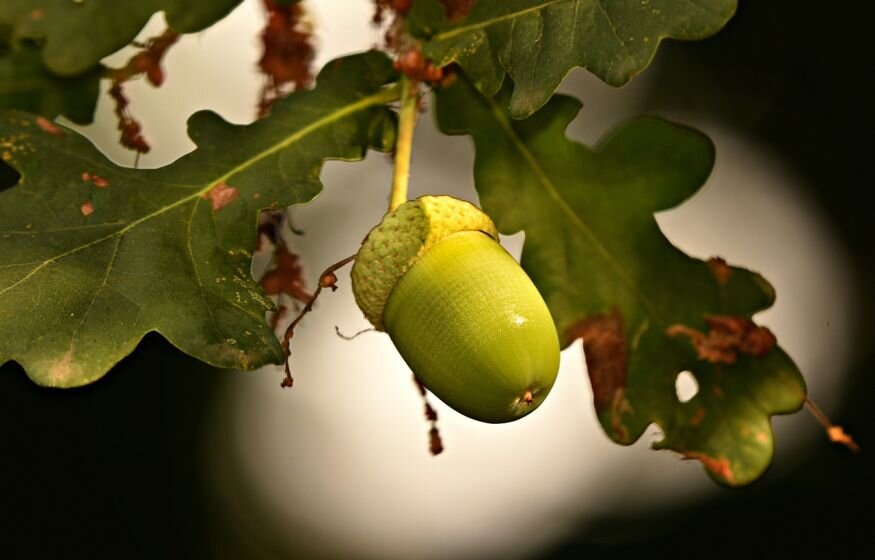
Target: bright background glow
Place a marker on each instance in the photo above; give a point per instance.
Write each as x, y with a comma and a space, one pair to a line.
338, 466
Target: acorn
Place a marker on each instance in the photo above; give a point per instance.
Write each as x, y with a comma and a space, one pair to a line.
460, 310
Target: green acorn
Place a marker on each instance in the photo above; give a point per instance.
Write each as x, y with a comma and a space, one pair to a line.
461, 312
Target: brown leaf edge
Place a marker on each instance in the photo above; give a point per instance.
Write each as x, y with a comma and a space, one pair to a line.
606, 354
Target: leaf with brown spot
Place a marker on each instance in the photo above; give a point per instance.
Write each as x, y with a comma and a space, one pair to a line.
609, 275
604, 347
718, 467
86, 208
155, 254
49, 127
222, 195
727, 338
96, 180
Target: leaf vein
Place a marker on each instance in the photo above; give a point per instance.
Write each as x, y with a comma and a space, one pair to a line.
494, 21
110, 262
363, 103
551, 190
611, 25
194, 267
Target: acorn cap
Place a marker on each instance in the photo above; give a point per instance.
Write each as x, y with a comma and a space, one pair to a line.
393, 246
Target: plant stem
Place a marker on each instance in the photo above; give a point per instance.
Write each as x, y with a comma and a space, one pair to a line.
833, 432
404, 144
326, 280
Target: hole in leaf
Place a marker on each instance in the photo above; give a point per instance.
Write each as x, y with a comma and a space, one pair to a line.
686, 386
8, 176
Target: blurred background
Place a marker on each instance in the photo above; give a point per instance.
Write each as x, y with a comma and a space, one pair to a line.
166, 457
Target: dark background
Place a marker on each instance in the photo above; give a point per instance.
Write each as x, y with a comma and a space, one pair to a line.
798, 77
112, 470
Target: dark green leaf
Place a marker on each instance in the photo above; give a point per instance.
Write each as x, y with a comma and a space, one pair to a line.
78, 33
608, 274
27, 86
165, 250
537, 42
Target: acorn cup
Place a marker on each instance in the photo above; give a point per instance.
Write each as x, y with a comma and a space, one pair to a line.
461, 312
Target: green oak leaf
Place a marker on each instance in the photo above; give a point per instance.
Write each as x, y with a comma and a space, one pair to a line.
609, 275
26, 85
78, 34
537, 42
94, 256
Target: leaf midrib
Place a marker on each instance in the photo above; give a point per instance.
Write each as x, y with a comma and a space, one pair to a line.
493, 21
551, 190
381, 97
455, 32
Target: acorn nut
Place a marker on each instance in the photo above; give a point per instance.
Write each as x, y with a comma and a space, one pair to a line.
461, 312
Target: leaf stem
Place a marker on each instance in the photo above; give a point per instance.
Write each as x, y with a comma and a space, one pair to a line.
404, 144
835, 433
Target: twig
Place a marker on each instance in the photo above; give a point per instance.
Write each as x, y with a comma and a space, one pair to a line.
326, 280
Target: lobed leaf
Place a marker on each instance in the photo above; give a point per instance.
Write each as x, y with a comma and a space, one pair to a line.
610, 276
26, 85
77, 34
94, 256
537, 42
